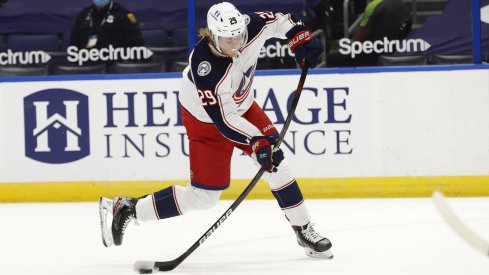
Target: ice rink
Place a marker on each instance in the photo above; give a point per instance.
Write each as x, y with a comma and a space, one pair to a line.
369, 236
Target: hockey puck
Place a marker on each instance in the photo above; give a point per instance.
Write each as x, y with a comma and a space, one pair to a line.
145, 271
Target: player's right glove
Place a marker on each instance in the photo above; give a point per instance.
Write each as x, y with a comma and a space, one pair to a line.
304, 46
262, 147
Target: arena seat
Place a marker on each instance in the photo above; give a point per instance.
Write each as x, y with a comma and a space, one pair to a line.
155, 38
6, 71
32, 42
179, 65
65, 40
66, 69
168, 53
180, 37
447, 59
136, 67
411, 60
3, 42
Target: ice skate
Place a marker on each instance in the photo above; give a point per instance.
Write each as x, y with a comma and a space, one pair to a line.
123, 211
315, 245
105, 208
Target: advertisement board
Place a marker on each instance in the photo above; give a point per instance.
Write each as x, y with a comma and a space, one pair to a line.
352, 126
132, 129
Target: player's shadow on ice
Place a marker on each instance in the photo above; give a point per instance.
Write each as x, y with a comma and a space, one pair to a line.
244, 266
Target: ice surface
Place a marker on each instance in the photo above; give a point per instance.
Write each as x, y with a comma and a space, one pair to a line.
369, 236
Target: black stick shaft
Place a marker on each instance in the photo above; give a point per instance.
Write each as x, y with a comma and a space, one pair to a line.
170, 265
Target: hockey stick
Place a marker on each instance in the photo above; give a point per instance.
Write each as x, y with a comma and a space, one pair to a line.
458, 226
148, 266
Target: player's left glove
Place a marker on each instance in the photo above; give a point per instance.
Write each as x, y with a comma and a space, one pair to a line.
304, 46
262, 147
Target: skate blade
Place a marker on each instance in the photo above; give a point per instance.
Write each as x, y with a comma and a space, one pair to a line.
321, 255
105, 207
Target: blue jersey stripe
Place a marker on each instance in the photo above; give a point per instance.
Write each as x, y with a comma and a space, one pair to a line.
226, 130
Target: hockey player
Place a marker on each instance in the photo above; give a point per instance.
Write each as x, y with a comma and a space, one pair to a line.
219, 114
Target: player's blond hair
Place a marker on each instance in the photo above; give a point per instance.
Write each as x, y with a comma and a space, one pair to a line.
205, 32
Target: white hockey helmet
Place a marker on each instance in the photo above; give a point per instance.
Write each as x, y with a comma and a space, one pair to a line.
224, 20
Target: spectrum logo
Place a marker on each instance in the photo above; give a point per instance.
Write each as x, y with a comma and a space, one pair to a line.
56, 126
81, 56
354, 48
23, 58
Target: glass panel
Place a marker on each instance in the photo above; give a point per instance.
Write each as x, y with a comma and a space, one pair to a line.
151, 35
485, 30
400, 32
85, 36
125, 36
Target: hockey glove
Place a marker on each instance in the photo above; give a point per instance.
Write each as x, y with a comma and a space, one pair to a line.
304, 46
262, 147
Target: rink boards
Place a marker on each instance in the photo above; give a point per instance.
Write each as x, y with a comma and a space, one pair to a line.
370, 134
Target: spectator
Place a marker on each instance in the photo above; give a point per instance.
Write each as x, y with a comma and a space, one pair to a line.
381, 18
105, 23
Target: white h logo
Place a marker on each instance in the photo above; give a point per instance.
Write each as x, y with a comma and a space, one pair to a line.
43, 122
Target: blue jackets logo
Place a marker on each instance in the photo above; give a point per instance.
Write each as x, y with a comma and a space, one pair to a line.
56, 126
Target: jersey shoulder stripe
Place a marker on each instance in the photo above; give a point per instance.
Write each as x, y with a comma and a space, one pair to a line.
258, 21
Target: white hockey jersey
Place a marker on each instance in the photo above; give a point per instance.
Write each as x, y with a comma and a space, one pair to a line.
216, 89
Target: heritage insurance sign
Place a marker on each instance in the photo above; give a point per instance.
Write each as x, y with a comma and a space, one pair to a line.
346, 125
94, 129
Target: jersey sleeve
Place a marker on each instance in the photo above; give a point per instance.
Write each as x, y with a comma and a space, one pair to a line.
213, 81
277, 24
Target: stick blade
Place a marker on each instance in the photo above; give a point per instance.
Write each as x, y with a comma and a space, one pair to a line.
143, 265
458, 226
166, 266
